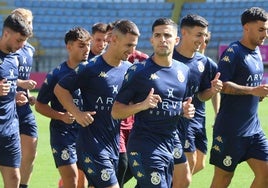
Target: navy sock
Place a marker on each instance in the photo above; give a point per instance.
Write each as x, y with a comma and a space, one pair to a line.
23, 186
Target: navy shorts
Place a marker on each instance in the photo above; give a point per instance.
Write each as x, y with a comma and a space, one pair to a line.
100, 169
178, 153
151, 159
28, 125
10, 150
227, 152
195, 138
63, 145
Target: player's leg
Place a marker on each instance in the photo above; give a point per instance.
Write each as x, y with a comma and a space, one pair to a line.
28, 136
128, 175
122, 168
192, 159
225, 155
221, 178
201, 149
200, 161
11, 176
10, 159
260, 169
69, 175
82, 180
257, 156
182, 176
28, 150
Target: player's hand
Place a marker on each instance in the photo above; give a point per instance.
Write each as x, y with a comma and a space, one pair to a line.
261, 91
4, 87
21, 98
27, 84
151, 100
85, 118
68, 118
188, 108
32, 100
216, 83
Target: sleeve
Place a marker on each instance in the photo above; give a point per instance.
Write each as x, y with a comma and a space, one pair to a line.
74, 79
127, 91
227, 64
46, 93
211, 69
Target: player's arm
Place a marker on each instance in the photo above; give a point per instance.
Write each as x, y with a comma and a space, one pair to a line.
216, 103
66, 99
49, 112
26, 84
235, 89
216, 86
122, 111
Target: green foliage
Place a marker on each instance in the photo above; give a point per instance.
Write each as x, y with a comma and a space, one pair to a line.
46, 175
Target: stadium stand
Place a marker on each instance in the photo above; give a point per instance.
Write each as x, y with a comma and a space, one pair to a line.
52, 18
223, 17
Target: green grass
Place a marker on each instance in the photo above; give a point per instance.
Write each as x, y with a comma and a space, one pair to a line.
45, 174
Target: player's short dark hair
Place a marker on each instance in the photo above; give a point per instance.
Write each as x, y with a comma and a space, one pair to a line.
77, 33
18, 24
192, 20
110, 25
254, 14
126, 26
99, 27
164, 21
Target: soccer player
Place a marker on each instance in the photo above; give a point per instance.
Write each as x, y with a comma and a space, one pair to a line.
155, 92
237, 133
100, 81
124, 173
16, 31
63, 127
27, 123
98, 42
214, 99
205, 83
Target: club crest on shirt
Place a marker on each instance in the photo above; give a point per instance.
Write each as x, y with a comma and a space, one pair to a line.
200, 66
65, 155
227, 161
180, 76
105, 176
155, 178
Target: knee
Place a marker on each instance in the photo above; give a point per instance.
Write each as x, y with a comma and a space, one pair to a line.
29, 156
182, 182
